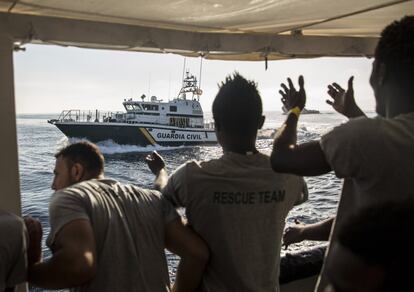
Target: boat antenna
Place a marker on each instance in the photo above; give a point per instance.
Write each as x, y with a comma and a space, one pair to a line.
169, 85
149, 84
182, 79
201, 67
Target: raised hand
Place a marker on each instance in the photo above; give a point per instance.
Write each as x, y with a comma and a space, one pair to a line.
291, 97
344, 101
34, 250
155, 162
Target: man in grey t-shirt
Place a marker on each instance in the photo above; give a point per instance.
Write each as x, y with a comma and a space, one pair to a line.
109, 236
373, 155
236, 203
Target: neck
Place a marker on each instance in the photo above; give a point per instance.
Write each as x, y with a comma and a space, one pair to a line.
231, 142
397, 102
88, 177
398, 109
241, 151
240, 147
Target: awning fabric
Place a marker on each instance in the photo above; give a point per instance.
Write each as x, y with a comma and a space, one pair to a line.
226, 30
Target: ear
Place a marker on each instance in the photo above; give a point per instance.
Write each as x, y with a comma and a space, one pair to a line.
261, 122
77, 172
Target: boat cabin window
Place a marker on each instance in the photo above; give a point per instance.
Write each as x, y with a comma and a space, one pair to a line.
180, 122
150, 107
173, 108
130, 107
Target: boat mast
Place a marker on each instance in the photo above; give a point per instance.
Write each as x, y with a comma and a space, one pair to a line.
149, 85
190, 85
201, 67
182, 79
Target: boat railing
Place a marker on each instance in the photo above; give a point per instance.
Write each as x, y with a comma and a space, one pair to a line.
209, 124
97, 116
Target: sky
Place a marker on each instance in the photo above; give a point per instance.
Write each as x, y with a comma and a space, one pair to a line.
49, 79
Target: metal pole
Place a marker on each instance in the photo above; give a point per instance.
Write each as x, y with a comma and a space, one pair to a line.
9, 163
201, 68
9, 166
182, 80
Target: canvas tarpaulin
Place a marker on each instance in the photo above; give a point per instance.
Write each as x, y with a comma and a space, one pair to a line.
231, 29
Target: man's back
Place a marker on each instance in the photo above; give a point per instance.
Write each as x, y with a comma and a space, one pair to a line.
375, 156
238, 205
129, 227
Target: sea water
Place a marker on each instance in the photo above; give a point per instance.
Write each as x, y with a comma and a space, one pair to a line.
38, 142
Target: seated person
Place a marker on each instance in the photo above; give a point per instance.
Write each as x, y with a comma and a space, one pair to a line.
373, 252
236, 203
109, 236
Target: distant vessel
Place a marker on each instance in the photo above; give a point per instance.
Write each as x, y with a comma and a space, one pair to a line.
173, 123
304, 111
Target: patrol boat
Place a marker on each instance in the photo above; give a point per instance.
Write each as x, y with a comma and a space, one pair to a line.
173, 123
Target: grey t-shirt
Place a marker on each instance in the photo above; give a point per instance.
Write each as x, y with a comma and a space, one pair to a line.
376, 159
239, 206
129, 227
13, 245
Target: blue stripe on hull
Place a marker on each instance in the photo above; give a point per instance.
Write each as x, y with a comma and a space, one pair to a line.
125, 135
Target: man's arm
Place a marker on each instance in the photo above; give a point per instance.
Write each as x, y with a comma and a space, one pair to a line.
157, 165
318, 231
194, 254
305, 159
34, 240
74, 259
161, 179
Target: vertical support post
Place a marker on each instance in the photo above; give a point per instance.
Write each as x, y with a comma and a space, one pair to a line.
9, 166
9, 163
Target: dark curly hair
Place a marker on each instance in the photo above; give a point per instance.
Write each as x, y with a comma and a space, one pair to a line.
396, 50
237, 108
85, 153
